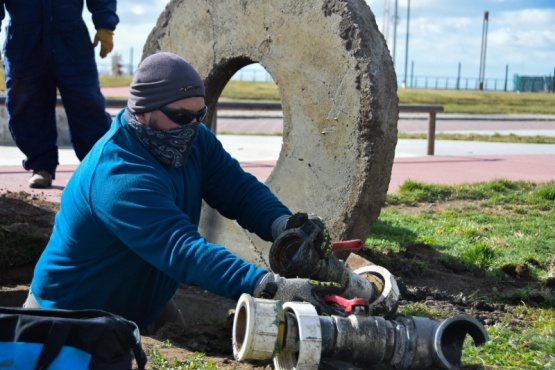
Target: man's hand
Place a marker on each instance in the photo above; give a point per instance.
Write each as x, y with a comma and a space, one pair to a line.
273, 286
322, 242
302, 245
106, 38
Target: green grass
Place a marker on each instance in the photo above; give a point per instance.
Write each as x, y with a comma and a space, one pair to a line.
115, 81
496, 137
509, 223
243, 90
158, 361
453, 101
420, 310
484, 226
526, 347
105, 81
483, 102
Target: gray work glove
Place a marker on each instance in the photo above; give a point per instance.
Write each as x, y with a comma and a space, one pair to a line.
273, 286
301, 248
322, 243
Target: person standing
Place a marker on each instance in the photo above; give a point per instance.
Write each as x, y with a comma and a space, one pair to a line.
48, 49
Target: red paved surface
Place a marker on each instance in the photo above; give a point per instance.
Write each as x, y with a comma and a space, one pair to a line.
468, 169
434, 170
121, 92
14, 179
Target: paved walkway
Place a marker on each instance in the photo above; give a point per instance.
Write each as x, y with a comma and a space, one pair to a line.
454, 162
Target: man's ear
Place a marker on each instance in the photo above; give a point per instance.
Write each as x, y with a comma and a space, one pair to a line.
140, 117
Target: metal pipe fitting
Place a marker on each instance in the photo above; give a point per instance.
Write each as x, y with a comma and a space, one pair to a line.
408, 342
387, 298
302, 338
292, 256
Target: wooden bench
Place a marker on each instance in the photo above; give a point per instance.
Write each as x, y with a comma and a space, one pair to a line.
432, 111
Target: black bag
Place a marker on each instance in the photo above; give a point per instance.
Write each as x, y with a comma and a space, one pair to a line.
62, 339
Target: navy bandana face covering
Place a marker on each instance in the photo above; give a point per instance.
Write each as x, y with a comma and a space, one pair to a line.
169, 147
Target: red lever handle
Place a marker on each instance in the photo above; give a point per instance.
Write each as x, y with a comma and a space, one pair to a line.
349, 304
346, 245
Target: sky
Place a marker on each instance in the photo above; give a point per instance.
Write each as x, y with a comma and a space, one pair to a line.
445, 36
520, 34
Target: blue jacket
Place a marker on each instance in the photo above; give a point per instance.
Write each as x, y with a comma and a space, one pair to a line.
56, 12
44, 30
126, 234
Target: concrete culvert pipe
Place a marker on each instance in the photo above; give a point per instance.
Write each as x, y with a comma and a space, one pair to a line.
408, 342
338, 92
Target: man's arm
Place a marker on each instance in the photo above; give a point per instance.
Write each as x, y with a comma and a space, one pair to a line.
104, 14
105, 20
235, 193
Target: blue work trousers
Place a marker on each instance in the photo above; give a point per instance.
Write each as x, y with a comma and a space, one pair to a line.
38, 64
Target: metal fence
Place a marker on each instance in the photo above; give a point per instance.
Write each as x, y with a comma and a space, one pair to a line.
456, 83
258, 73
514, 83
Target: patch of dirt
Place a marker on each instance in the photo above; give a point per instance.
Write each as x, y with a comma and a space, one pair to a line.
425, 276
25, 225
212, 339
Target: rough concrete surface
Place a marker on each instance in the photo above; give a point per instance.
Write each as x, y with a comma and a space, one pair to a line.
338, 92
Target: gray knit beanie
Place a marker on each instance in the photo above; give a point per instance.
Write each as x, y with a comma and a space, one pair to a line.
161, 79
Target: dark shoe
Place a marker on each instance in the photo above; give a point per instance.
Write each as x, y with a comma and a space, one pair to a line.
40, 180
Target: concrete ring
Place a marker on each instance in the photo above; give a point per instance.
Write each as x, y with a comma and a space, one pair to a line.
338, 91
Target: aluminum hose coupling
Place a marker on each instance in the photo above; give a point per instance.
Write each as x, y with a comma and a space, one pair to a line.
294, 336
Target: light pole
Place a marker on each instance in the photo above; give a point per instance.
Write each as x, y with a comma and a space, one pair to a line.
407, 45
386, 19
483, 51
395, 21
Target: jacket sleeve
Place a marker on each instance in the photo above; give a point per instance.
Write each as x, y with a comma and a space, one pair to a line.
103, 13
139, 210
236, 194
